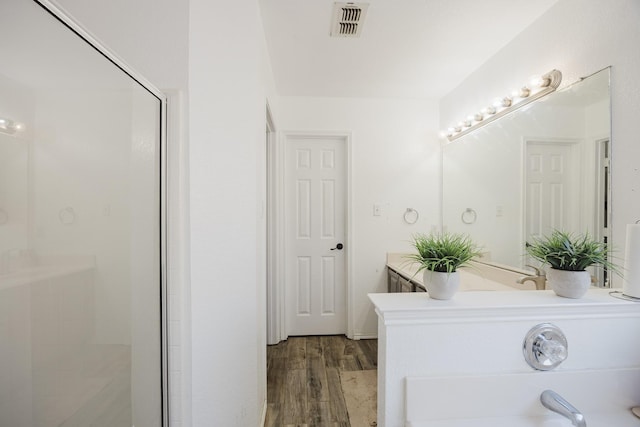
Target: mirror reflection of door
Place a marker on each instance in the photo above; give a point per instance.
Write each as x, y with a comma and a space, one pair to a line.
552, 188
561, 194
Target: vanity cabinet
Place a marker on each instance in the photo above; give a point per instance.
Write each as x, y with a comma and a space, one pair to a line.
397, 282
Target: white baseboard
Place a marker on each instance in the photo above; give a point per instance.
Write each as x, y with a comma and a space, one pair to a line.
365, 336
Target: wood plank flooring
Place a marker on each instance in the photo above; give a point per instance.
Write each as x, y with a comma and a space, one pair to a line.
303, 379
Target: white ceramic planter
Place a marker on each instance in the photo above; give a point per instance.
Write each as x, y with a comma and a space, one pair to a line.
441, 285
569, 284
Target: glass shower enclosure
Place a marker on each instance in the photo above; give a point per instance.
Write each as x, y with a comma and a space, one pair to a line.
82, 292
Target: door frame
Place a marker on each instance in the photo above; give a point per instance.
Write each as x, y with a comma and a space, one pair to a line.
276, 287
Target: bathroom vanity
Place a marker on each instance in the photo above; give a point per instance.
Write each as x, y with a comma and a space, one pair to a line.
402, 276
447, 363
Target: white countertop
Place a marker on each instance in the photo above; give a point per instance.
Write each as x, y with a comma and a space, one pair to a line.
476, 304
40, 273
468, 280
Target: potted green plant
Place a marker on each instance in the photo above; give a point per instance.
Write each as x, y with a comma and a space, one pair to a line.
439, 255
569, 255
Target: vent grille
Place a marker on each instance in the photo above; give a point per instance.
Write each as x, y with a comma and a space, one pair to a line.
348, 19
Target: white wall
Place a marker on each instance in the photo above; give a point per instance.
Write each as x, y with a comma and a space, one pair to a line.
395, 162
578, 37
149, 35
227, 92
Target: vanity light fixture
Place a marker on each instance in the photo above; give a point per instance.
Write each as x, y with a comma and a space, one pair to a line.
9, 126
537, 88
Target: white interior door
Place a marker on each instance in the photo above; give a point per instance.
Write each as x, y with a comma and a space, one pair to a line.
315, 182
552, 188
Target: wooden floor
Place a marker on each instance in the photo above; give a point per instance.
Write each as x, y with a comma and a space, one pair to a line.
303, 379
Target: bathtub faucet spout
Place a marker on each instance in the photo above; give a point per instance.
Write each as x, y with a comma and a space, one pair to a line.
556, 403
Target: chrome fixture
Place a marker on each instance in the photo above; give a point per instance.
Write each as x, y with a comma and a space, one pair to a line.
469, 216
545, 347
537, 88
556, 403
9, 126
539, 279
411, 216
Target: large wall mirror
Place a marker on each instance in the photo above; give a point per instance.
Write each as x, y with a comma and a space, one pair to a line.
82, 341
542, 167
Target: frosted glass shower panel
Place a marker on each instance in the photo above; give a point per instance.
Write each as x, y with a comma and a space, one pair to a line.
80, 270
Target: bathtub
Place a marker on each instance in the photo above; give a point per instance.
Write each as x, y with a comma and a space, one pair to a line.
460, 362
593, 420
46, 321
604, 397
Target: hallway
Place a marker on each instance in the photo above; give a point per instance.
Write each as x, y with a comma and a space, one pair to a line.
304, 380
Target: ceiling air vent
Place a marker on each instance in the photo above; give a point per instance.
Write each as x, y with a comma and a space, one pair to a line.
348, 19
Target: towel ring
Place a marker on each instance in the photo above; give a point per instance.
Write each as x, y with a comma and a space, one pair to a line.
469, 216
411, 216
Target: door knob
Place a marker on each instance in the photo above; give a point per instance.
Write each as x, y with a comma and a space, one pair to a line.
339, 247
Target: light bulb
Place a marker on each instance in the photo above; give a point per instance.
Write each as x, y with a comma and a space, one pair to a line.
490, 110
540, 81
536, 81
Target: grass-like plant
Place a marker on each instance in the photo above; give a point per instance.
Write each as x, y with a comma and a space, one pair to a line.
572, 252
443, 252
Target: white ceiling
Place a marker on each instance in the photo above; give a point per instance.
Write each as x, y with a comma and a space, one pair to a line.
408, 48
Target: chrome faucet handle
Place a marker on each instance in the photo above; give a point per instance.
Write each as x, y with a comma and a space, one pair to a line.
545, 347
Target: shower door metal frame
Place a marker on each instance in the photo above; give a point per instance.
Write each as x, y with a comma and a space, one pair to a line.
61, 15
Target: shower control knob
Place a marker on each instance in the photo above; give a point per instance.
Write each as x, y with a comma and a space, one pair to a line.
545, 347
553, 351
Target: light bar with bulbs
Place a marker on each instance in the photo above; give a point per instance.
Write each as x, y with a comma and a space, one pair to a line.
537, 88
9, 126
